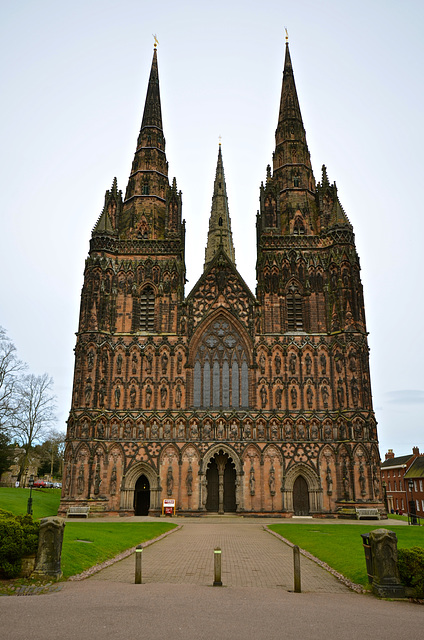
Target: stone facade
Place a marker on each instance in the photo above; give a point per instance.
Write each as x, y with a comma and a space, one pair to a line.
222, 400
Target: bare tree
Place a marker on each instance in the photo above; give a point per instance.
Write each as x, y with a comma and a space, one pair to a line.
10, 367
34, 413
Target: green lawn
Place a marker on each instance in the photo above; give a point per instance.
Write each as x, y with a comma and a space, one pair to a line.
45, 502
88, 543
340, 545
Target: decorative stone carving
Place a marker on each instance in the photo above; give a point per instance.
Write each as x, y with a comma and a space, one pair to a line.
386, 582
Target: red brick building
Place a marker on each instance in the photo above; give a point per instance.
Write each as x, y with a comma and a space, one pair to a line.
225, 400
396, 472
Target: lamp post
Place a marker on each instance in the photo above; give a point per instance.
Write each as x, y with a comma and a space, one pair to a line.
412, 509
31, 484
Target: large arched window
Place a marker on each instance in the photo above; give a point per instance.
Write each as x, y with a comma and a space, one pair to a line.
147, 309
220, 376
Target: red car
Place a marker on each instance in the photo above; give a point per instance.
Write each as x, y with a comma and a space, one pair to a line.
39, 484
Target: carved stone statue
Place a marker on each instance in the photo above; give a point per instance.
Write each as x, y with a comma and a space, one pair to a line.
293, 393
169, 481
164, 362
271, 481
148, 396
252, 481
80, 480
178, 395
292, 363
88, 391
329, 480
179, 362
309, 396
325, 395
90, 359
113, 481
189, 480
278, 397
134, 363
264, 396
308, 364
340, 393
163, 396
277, 362
323, 363
117, 395
133, 394
149, 363
97, 480
119, 361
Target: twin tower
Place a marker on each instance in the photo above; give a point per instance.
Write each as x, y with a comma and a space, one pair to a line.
222, 400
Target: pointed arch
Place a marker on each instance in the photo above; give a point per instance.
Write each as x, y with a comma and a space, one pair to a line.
313, 483
128, 485
220, 357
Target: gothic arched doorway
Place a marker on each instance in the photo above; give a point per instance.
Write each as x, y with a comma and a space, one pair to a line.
142, 496
221, 484
300, 497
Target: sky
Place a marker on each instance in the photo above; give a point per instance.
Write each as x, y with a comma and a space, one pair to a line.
73, 83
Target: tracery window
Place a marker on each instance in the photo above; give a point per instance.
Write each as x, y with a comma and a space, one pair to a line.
221, 369
147, 309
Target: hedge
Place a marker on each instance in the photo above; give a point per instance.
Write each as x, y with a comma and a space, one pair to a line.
411, 568
18, 538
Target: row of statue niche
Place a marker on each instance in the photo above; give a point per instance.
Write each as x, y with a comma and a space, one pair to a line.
271, 481
163, 391
325, 394
231, 432
148, 356
292, 361
308, 362
170, 481
97, 480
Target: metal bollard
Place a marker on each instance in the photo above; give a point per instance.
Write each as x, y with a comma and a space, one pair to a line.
138, 556
296, 566
217, 582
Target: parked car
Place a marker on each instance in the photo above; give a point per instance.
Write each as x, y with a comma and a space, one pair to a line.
39, 484
57, 485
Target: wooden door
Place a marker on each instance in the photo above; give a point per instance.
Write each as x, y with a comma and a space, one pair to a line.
300, 497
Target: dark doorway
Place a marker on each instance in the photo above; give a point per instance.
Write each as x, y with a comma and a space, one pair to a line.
142, 496
221, 464
300, 497
229, 487
212, 481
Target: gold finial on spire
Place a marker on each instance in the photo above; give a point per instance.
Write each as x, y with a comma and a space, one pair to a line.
287, 34
155, 39
220, 138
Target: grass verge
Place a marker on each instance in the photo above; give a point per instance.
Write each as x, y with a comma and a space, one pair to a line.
88, 543
340, 546
45, 502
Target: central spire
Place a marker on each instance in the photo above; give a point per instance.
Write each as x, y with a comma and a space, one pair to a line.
292, 162
219, 234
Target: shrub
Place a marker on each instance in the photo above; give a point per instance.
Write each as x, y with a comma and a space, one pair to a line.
411, 567
18, 537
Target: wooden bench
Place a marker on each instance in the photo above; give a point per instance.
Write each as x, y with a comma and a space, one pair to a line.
373, 514
78, 512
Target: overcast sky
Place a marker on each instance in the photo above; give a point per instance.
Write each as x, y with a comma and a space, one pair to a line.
73, 83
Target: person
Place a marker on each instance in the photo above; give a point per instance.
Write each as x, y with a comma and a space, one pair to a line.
17, 484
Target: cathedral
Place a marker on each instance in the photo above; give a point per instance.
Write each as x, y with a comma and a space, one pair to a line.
222, 400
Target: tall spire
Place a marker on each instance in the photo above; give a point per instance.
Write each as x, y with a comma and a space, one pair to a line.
292, 162
219, 234
152, 116
145, 211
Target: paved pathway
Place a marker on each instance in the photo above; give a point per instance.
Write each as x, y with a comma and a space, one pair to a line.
251, 557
